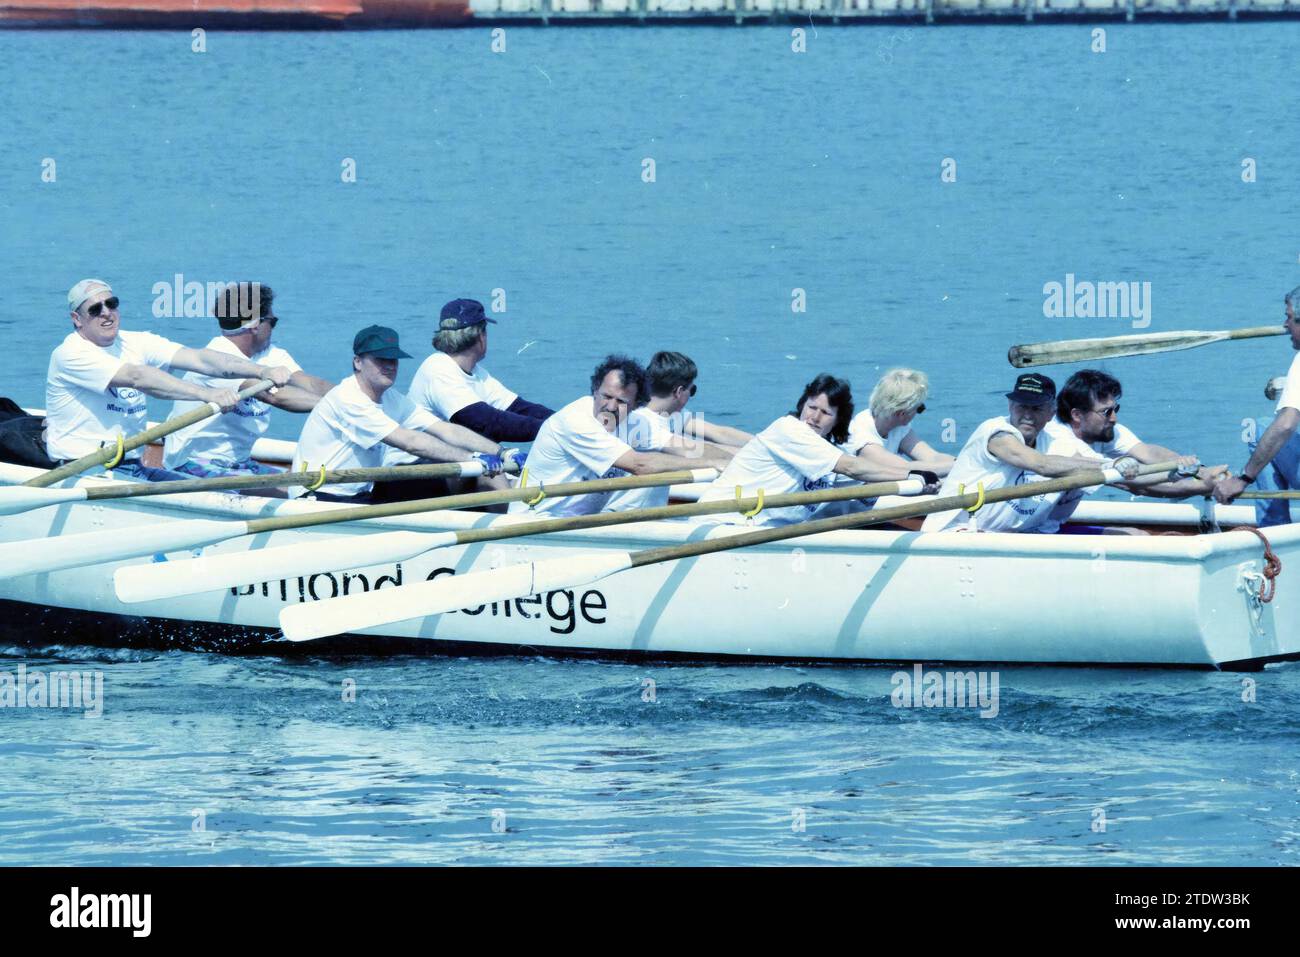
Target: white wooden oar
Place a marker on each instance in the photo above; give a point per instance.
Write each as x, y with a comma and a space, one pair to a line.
22, 498
34, 556
129, 443
1080, 350
335, 616
158, 580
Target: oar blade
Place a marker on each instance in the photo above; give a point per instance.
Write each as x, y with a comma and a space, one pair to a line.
1082, 350
338, 616
139, 583
15, 499
59, 552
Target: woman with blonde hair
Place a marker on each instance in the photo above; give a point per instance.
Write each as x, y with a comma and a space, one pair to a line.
882, 433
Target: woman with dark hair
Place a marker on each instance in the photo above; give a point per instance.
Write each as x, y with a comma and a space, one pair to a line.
795, 454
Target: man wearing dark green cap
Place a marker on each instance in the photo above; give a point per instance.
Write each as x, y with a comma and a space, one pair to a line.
363, 415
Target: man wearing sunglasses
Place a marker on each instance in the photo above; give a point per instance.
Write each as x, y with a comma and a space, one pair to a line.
1087, 423
100, 375
223, 444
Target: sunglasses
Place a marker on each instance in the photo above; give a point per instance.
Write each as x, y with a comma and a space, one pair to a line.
1108, 411
692, 390
94, 311
920, 408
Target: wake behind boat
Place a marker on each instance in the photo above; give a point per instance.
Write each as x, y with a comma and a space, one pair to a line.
1191, 598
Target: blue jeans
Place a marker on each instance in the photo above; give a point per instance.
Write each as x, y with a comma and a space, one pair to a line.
1282, 474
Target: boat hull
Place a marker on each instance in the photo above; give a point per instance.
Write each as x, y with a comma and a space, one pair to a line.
862, 596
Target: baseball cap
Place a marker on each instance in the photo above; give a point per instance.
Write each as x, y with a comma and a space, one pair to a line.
1033, 389
463, 313
378, 341
84, 290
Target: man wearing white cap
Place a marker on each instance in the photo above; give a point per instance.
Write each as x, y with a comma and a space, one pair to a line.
223, 444
99, 376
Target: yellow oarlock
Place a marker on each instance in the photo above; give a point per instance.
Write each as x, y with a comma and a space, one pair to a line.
753, 511
320, 480
121, 451
979, 502
523, 483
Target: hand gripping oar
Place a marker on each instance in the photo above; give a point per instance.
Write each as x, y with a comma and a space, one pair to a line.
33, 556
157, 580
334, 616
110, 452
1080, 350
20, 498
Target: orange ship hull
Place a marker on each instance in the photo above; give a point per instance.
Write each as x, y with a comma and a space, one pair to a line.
248, 14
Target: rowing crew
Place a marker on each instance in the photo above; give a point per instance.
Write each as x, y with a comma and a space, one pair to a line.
631, 422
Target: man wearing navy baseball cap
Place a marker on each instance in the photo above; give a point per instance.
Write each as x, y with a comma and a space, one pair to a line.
361, 417
1011, 450
453, 384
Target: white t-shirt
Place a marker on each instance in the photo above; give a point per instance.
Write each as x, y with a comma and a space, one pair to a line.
787, 456
974, 465
863, 432
1290, 397
346, 430
647, 431
82, 411
444, 388
572, 446
229, 436
1065, 442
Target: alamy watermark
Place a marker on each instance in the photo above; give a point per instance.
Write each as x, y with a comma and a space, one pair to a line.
55, 689
946, 689
190, 299
1084, 299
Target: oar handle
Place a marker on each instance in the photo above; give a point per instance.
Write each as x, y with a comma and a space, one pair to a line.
476, 499
225, 483
1257, 332
108, 452
877, 516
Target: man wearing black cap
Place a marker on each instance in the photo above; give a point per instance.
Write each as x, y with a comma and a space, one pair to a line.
223, 444
1011, 450
363, 415
454, 386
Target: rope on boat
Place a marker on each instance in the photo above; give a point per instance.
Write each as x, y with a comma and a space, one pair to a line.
1272, 564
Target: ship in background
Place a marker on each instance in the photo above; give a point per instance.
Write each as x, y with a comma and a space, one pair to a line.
235, 14
381, 14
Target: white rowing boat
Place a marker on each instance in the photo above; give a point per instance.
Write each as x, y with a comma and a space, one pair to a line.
1187, 599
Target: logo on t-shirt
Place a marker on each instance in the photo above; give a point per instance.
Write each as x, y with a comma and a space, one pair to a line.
1022, 506
822, 483
129, 401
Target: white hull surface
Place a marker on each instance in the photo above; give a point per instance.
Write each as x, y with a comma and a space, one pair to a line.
1185, 600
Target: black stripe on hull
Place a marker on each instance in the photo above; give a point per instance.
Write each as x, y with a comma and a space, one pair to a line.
39, 626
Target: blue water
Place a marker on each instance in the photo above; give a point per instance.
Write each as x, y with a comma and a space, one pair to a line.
775, 171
